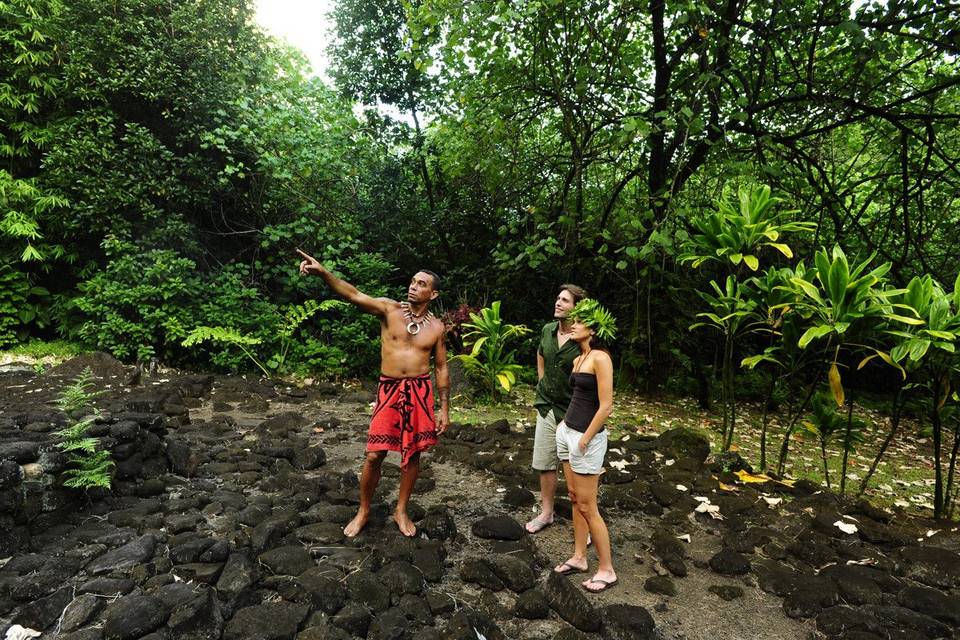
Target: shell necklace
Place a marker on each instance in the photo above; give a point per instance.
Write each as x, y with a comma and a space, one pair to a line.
415, 322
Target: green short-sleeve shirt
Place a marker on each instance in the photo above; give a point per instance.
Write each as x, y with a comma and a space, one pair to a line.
553, 390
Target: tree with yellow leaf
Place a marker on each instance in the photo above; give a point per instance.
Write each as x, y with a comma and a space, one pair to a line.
844, 309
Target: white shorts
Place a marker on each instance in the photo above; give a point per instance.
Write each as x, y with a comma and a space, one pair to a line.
568, 449
545, 443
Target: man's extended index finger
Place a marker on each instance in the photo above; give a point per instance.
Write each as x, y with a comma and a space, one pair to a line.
308, 257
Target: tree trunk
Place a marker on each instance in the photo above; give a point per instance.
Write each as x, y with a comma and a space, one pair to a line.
784, 448
937, 444
764, 422
898, 403
846, 444
952, 469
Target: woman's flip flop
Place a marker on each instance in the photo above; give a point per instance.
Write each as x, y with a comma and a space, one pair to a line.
607, 584
567, 569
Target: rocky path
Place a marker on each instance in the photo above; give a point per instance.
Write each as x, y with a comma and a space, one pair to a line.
226, 517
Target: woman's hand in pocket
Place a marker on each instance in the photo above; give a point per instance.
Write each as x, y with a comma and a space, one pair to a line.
583, 444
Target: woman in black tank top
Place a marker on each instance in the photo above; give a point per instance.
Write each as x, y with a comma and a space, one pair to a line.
582, 443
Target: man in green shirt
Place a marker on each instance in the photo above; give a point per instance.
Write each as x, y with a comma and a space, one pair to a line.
555, 357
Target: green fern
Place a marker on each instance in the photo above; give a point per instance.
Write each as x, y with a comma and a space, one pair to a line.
294, 317
91, 466
78, 395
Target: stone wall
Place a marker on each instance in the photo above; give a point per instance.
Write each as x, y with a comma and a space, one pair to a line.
132, 424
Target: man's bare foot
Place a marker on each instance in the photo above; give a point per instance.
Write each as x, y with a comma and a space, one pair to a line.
405, 524
356, 525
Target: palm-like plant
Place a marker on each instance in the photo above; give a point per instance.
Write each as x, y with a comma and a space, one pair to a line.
781, 356
735, 235
489, 359
928, 351
825, 423
843, 305
730, 308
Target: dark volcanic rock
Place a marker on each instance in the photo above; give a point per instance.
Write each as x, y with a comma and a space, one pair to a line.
392, 624
401, 578
665, 493
518, 497
661, 584
466, 623
238, 574
931, 602
353, 617
513, 572
326, 592
107, 586
932, 566
498, 527
627, 622
182, 458
478, 571
842, 619
197, 619
133, 617
271, 621
902, 617
367, 589
683, 442
42, 613
321, 533
438, 526
10, 474
811, 595
288, 561
125, 557
729, 562
532, 605
726, 591
80, 612
570, 603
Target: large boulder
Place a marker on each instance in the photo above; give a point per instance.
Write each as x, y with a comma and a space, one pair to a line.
683, 442
571, 603
498, 527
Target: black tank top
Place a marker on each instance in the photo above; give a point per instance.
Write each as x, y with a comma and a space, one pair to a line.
584, 403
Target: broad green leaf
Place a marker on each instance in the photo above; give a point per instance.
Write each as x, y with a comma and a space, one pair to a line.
812, 334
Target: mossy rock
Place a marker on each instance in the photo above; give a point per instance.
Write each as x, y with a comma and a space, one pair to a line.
684, 442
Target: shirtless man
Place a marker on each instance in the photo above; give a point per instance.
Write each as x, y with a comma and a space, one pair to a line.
403, 419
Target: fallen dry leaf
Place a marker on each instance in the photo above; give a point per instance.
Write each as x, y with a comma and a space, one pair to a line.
846, 527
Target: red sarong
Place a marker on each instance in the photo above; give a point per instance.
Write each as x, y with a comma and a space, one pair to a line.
403, 418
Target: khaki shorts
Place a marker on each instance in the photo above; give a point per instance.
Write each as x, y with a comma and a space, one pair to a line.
545, 443
568, 449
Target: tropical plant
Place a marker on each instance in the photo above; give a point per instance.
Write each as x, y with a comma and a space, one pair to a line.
736, 235
730, 308
275, 360
779, 330
847, 307
490, 360
825, 423
928, 351
77, 395
91, 465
